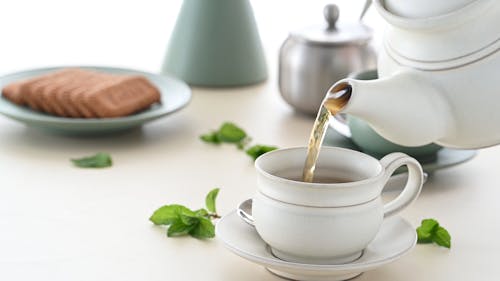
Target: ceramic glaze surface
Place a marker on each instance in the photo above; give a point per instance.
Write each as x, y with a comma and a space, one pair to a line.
327, 223
461, 36
449, 75
395, 238
372, 143
423, 8
216, 43
326, 235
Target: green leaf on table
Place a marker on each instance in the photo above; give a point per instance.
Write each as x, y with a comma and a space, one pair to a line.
423, 237
189, 219
169, 214
100, 160
202, 213
430, 231
429, 225
426, 230
257, 150
231, 133
442, 237
211, 137
204, 229
210, 200
243, 143
178, 228
182, 220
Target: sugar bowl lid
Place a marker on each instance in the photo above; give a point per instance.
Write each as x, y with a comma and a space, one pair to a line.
334, 33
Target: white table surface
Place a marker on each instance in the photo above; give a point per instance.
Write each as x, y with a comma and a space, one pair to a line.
58, 222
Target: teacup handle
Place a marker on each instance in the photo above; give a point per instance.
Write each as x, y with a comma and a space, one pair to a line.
413, 186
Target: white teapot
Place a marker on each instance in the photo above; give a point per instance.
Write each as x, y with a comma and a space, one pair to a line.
439, 74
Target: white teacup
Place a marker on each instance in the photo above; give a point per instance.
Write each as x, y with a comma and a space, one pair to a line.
326, 223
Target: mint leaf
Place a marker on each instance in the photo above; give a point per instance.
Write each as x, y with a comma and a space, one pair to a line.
442, 237
429, 225
231, 133
169, 214
243, 143
182, 220
204, 229
426, 230
189, 219
430, 231
210, 200
178, 228
202, 213
100, 160
211, 138
257, 150
423, 237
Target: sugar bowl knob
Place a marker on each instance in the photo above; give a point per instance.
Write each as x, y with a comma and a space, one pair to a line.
331, 14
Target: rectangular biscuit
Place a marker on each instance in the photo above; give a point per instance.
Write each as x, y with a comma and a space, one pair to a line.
42, 96
62, 97
47, 93
33, 89
123, 97
28, 89
83, 93
16, 91
94, 81
54, 94
13, 92
48, 100
64, 94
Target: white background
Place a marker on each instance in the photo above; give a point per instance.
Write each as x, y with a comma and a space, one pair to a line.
58, 222
128, 33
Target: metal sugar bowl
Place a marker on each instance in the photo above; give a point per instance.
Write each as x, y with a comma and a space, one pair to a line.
311, 60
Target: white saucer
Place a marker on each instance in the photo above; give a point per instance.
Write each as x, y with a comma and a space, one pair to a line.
395, 238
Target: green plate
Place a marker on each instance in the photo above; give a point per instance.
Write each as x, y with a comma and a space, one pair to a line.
175, 95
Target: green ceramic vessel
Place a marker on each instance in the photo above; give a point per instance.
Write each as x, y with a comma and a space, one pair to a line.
216, 43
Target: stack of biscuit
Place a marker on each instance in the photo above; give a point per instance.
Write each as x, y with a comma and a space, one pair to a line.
79, 93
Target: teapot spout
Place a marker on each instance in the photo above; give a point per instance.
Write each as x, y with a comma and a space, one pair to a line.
404, 108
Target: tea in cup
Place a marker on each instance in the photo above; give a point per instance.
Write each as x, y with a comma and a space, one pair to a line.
332, 219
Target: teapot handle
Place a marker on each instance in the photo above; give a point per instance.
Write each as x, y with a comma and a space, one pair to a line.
410, 192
